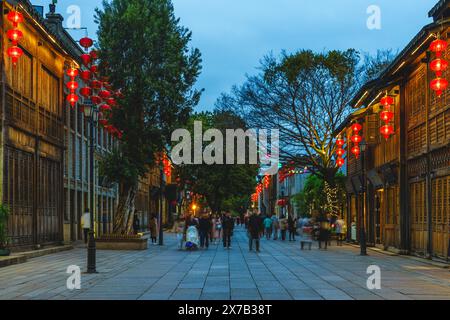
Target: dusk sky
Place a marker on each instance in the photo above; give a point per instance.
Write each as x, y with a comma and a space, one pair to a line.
233, 35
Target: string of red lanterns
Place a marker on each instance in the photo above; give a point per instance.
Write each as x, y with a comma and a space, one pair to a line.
438, 65
72, 85
387, 115
96, 88
356, 139
15, 35
340, 151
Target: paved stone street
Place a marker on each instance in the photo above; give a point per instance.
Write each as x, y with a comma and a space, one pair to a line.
280, 271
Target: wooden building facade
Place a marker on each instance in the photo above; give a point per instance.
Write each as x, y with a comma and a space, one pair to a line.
32, 144
403, 186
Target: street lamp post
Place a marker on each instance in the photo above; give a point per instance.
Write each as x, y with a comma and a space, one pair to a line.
161, 199
362, 231
91, 113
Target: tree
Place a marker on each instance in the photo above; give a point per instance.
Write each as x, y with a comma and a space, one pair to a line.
313, 198
225, 187
306, 96
145, 53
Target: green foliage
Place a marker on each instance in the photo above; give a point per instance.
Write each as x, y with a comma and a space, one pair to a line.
4, 214
225, 187
145, 53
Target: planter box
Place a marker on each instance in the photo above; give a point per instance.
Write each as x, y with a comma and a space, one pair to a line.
5, 252
118, 243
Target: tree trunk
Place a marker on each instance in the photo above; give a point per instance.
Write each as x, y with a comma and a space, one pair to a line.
123, 220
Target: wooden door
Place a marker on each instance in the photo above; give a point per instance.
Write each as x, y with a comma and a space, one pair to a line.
18, 195
440, 215
390, 215
379, 217
419, 217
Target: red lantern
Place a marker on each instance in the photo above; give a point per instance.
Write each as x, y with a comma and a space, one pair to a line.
15, 35
96, 100
386, 115
94, 68
111, 101
356, 151
439, 85
438, 46
438, 66
340, 152
15, 53
86, 42
340, 162
72, 85
86, 59
72, 72
386, 131
387, 101
105, 107
15, 17
86, 92
356, 139
72, 99
356, 127
340, 142
86, 75
95, 84
105, 94
94, 54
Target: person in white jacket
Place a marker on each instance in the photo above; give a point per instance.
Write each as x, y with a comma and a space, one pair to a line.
86, 224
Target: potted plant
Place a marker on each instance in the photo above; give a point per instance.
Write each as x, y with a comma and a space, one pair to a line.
4, 213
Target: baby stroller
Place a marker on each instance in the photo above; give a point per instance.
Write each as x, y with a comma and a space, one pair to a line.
192, 239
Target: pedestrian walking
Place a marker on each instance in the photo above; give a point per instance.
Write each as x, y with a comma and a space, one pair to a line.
227, 229
255, 227
86, 224
218, 229
283, 227
324, 233
204, 226
136, 223
340, 230
275, 226
292, 227
179, 228
268, 227
153, 226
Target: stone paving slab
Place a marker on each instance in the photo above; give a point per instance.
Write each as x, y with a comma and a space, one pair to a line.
280, 271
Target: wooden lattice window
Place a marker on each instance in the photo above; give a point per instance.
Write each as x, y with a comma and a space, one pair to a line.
441, 201
21, 76
49, 91
417, 201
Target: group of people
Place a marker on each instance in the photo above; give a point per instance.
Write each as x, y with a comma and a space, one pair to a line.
209, 228
274, 226
205, 229
322, 227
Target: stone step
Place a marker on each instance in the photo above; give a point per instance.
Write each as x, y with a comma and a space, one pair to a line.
21, 257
